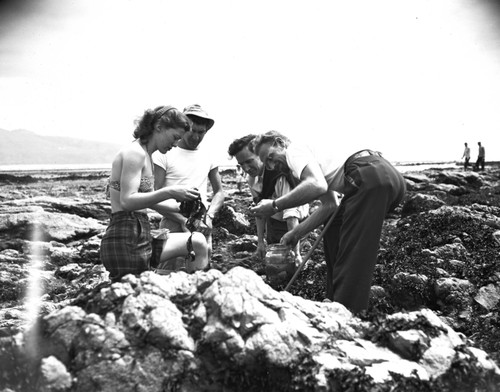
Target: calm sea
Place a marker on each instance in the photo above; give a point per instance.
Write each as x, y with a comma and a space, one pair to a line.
402, 166
56, 167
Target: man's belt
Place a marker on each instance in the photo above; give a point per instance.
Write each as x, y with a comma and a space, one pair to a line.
361, 154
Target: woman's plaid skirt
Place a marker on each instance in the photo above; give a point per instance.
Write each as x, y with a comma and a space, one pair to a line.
126, 245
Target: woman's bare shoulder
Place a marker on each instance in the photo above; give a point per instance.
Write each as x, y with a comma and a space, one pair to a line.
133, 152
132, 155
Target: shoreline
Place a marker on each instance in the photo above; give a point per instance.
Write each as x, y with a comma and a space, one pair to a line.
43, 170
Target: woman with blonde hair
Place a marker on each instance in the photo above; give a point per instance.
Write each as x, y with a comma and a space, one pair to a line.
126, 246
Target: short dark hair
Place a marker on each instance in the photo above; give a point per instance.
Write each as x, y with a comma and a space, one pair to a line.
239, 144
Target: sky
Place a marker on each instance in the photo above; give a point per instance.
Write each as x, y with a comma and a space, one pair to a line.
414, 79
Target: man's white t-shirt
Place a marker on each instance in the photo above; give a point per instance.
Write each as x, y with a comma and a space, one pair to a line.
187, 167
299, 156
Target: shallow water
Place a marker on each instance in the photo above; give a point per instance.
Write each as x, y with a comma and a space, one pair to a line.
402, 166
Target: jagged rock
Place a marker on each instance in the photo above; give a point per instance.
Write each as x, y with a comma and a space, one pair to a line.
63, 255
454, 292
447, 188
487, 210
245, 243
96, 343
455, 267
451, 251
496, 236
234, 222
421, 202
459, 179
12, 195
10, 320
99, 209
409, 344
47, 226
12, 256
177, 330
377, 292
15, 277
69, 271
442, 273
410, 290
89, 250
417, 177
414, 186
488, 296
479, 213
53, 375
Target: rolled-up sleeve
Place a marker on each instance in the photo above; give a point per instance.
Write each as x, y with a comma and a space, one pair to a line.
281, 188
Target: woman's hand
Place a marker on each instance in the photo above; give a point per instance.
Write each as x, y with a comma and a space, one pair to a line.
181, 193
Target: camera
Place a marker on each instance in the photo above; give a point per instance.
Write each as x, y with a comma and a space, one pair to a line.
191, 208
194, 211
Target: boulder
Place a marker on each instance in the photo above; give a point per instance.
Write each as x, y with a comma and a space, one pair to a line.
454, 293
488, 296
214, 331
234, 222
421, 202
40, 225
98, 208
417, 177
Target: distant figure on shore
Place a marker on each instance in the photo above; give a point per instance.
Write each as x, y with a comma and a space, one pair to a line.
240, 178
268, 184
466, 156
192, 165
480, 157
126, 247
371, 188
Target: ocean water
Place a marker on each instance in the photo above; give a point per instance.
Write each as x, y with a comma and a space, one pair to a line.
56, 167
402, 167
405, 167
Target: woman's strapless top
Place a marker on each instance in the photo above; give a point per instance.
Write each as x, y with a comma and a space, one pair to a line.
146, 185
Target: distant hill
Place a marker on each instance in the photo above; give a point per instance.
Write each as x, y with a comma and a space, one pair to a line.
21, 147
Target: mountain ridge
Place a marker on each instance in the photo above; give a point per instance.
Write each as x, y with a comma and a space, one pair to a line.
24, 147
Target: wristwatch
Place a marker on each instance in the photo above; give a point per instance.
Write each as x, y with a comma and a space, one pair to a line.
275, 206
211, 216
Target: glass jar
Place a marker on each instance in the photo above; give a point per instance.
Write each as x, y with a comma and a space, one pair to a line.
280, 263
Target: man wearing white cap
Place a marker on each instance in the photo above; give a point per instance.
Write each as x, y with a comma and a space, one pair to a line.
190, 165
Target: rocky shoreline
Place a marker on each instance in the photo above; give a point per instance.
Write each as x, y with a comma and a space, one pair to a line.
433, 323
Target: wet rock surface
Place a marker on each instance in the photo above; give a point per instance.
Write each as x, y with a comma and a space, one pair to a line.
433, 321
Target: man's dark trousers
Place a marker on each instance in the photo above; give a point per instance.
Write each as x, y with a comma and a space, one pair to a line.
352, 241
